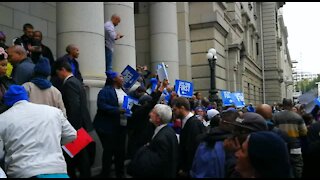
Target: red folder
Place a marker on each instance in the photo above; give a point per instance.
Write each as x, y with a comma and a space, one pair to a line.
74, 147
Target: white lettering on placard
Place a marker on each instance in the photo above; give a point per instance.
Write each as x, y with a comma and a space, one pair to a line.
127, 76
184, 87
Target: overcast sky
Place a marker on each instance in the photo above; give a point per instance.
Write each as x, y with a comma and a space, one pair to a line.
303, 24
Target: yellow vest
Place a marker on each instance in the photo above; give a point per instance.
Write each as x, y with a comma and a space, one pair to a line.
9, 69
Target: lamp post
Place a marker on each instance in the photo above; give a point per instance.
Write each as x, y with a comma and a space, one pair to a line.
212, 58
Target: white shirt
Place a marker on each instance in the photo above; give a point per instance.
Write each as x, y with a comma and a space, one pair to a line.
64, 81
158, 129
32, 136
185, 119
2, 174
120, 95
110, 35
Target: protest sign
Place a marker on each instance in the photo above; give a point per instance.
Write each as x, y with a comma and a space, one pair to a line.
130, 76
184, 88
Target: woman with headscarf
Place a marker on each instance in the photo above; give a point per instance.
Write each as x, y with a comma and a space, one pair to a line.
110, 123
5, 81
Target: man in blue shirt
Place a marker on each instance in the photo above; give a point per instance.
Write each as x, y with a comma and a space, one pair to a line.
71, 56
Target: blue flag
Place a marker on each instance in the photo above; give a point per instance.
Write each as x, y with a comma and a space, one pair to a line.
226, 98
184, 88
238, 99
130, 76
128, 102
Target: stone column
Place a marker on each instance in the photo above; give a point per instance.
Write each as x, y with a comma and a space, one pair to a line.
125, 49
81, 23
184, 41
164, 38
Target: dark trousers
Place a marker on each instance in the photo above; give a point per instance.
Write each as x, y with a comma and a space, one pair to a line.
80, 162
108, 59
113, 145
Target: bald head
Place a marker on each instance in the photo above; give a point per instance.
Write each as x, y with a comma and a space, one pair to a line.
16, 53
115, 19
73, 50
265, 111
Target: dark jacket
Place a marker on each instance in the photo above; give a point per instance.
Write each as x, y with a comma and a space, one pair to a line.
189, 143
311, 156
75, 102
159, 158
56, 82
23, 71
140, 128
5, 82
107, 119
46, 52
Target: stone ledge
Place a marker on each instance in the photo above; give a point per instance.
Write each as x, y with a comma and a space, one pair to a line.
236, 23
215, 20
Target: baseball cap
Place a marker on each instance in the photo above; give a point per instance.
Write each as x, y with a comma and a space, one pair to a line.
251, 121
211, 113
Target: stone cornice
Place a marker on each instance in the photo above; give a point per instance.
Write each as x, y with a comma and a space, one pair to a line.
235, 23
216, 21
223, 5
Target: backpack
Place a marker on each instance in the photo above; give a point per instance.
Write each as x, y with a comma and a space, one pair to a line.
209, 162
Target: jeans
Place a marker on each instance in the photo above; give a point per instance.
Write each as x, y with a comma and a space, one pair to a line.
296, 161
108, 59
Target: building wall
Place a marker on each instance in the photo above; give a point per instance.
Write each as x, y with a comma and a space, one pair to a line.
201, 25
273, 74
42, 15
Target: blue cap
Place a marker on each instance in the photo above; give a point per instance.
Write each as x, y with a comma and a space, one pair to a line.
14, 94
43, 67
111, 74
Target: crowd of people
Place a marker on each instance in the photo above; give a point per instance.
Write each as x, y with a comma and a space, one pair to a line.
43, 104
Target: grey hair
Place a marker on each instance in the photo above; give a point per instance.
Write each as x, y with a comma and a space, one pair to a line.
19, 49
164, 112
70, 47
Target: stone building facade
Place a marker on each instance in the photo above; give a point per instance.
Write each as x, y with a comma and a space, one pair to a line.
250, 39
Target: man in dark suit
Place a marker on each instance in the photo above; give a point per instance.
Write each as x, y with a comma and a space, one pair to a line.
159, 158
74, 99
71, 56
191, 128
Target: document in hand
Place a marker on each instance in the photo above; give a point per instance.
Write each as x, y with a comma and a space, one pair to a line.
74, 147
162, 72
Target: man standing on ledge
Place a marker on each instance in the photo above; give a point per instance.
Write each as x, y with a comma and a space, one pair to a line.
110, 36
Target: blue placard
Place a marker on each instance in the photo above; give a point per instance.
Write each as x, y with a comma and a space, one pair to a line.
317, 101
184, 88
226, 98
128, 102
238, 99
130, 76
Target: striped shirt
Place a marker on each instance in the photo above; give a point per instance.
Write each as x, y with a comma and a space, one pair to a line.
290, 122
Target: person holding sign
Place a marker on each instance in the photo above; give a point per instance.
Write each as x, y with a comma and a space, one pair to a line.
110, 123
140, 129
